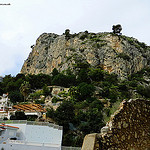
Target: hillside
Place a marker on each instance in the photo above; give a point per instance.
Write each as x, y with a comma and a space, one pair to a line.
81, 79
117, 54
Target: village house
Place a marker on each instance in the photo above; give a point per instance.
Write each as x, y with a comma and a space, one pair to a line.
28, 135
55, 93
5, 106
31, 109
57, 89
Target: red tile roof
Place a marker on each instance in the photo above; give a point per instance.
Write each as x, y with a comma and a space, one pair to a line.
30, 107
3, 126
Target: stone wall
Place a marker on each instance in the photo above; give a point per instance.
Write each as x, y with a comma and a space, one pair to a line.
128, 128
90, 142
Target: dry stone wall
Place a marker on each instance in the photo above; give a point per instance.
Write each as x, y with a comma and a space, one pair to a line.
128, 128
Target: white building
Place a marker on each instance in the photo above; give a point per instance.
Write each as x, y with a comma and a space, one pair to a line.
5, 102
5, 106
28, 135
57, 89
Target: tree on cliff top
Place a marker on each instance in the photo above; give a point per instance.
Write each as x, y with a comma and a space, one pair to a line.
67, 34
117, 29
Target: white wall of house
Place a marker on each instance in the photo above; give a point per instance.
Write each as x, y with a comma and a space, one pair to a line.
12, 146
39, 134
33, 137
8, 133
43, 134
5, 104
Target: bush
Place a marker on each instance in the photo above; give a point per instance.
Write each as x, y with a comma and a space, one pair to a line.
38, 81
82, 37
143, 45
85, 91
46, 90
36, 95
96, 74
124, 56
60, 80
19, 115
50, 113
133, 83
65, 114
111, 78
97, 104
15, 96
55, 99
39, 101
83, 76
144, 91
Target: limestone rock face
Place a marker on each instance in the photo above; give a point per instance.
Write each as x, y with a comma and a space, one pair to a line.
115, 53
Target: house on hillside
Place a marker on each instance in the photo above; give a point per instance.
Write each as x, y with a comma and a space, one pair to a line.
57, 89
5, 106
31, 109
58, 93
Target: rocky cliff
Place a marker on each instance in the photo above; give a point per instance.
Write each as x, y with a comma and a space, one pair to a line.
115, 53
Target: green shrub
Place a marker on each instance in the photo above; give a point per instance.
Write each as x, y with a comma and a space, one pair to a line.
96, 45
50, 113
96, 74
133, 83
55, 99
84, 42
36, 95
39, 101
144, 91
82, 37
19, 115
124, 56
46, 90
109, 112
143, 45
129, 39
72, 49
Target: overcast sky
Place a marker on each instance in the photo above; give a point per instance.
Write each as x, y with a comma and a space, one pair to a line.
22, 22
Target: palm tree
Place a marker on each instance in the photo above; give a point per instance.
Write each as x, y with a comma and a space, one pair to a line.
25, 89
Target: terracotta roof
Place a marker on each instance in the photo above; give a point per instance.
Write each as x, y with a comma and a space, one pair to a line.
3, 125
30, 107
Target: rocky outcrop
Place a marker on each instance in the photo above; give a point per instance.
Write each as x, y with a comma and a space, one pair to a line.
115, 53
128, 128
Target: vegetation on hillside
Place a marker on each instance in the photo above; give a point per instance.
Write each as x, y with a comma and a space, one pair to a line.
93, 96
